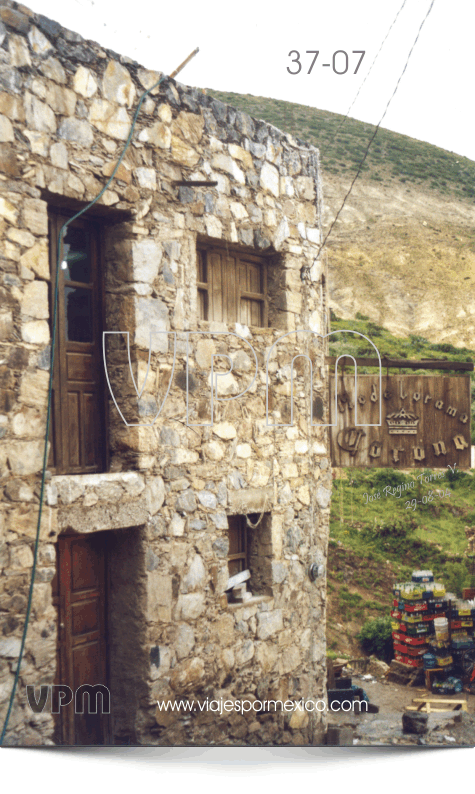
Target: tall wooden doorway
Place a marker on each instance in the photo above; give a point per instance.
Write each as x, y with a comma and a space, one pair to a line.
80, 586
78, 430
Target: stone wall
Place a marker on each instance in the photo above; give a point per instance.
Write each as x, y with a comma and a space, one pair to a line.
66, 106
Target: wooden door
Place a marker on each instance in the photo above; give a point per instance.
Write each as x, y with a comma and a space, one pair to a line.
82, 633
78, 443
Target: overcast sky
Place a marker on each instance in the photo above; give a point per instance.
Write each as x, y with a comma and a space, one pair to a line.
244, 47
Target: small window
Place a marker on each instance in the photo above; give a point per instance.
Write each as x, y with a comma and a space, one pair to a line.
250, 549
232, 287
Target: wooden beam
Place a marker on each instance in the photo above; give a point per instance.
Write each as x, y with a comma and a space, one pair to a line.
405, 363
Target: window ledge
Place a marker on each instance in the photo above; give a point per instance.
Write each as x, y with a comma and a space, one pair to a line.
233, 605
96, 479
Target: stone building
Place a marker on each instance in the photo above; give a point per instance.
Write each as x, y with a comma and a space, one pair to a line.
146, 518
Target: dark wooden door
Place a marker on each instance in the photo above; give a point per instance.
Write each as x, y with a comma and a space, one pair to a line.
81, 583
78, 411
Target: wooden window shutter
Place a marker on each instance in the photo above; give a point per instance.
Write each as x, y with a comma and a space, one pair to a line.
232, 287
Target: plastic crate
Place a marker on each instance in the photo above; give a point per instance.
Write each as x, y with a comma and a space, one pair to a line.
416, 595
415, 606
444, 661
437, 606
461, 643
415, 651
417, 630
414, 662
438, 644
411, 618
406, 640
422, 577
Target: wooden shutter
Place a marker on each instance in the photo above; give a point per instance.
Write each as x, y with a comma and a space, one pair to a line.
232, 287
238, 546
78, 442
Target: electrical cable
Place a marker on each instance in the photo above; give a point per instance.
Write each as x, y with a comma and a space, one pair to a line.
61, 235
374, 133
370, 69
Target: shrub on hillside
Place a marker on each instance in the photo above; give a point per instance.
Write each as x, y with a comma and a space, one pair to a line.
456, 577
375, 638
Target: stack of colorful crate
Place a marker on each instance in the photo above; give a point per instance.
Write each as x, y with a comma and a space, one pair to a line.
416, 604
446, 646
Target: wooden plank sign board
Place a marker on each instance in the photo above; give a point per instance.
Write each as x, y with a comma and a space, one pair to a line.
425, 421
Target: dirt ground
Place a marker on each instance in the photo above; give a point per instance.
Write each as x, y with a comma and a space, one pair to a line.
451, 728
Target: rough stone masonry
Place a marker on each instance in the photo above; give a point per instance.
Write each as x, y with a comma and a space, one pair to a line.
165, 498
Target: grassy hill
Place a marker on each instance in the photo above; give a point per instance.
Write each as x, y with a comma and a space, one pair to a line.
392, 157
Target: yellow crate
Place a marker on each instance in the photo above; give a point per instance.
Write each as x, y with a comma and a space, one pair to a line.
411, 617
444, 661
412, 595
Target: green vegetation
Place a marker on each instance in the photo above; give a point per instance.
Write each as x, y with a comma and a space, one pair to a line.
375, 638
351, 604
456, 577
392, 158
390, 527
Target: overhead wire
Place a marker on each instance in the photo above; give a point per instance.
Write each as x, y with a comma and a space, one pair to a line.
370, 68
374, 133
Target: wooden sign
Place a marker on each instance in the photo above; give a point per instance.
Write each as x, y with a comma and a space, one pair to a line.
425, 421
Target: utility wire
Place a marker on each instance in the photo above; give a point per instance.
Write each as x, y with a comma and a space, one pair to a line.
374, 133
370, 68
61, 235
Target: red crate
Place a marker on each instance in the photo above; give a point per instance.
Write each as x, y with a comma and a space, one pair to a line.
419, 606
408, 650
413, 662
399, 657
408, 661
406, 640
415, 650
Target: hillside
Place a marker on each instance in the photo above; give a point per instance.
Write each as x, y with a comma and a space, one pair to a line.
403, 251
